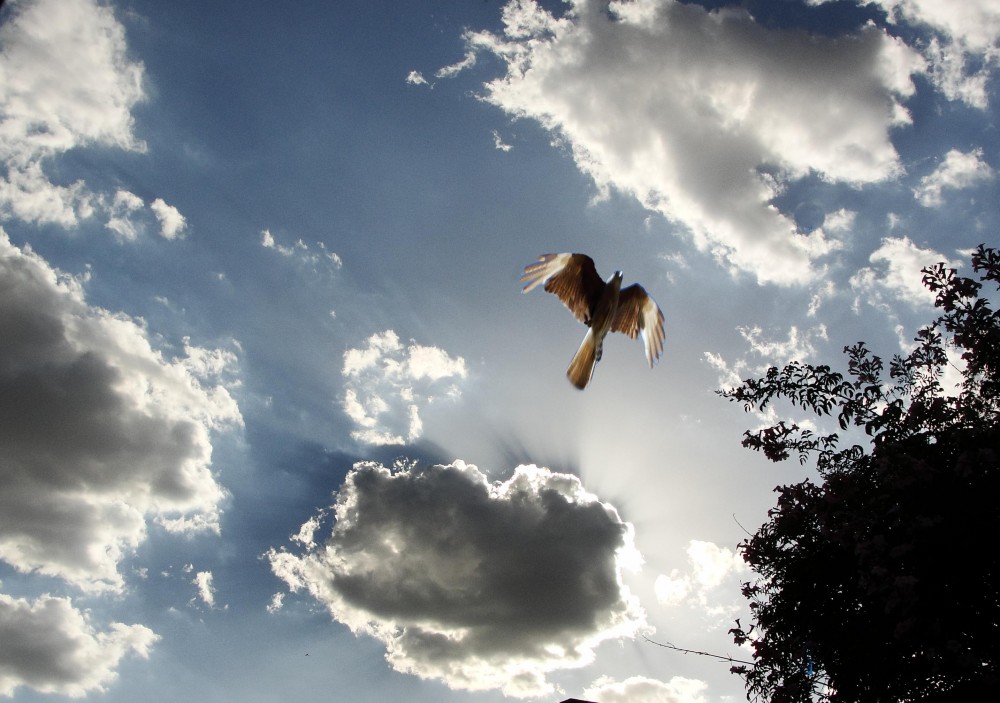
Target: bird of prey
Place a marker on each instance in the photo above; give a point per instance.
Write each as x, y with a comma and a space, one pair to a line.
604, 306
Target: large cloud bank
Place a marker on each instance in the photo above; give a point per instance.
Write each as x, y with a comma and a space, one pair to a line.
481, 585
704, 116
99, 431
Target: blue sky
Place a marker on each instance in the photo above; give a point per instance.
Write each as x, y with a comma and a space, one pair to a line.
276, 419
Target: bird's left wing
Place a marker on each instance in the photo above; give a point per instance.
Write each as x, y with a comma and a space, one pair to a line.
572, 277
638, 313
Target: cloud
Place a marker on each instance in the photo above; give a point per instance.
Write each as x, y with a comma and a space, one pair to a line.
416, 78
100, 431
962, 50
481, 585
895, 275
709, 567
121, 212
46, 109
705, 116
641, 689
498, 142
387, 384
321, 261
763, 352
172, 222
50, 646
206, 589
454, 69
958, 170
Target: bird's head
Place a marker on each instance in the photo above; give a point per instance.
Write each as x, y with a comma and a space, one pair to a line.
616, 279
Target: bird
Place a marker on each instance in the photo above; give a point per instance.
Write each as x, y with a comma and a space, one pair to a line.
604, 306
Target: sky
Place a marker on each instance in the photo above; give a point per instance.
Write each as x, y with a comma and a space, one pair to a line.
277, 422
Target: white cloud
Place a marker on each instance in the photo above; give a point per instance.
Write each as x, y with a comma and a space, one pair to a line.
50, 646
964, 49
318, 260
121, 212
683, 108
641, 689
709, 566
498, 142
895, 275
387, 384
276, 604
481, 585
416, 78
46, 109
958, 170
763, 352
172, 222
133, 430
203, 580
456, 68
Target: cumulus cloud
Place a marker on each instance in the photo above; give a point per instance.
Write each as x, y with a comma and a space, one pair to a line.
481, 585
50, 646
895, 275
100, 431
958, 170
46, 110
641, 689
709, 567
964, 49
704, 116
172, 222
387, 384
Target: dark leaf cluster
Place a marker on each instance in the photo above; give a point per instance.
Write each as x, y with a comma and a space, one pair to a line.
882, 582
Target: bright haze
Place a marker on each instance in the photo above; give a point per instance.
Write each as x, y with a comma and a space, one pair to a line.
276, 422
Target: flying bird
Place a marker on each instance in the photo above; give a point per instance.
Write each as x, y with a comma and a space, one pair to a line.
604, 306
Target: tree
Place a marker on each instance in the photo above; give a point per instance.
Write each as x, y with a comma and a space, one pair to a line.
881, 582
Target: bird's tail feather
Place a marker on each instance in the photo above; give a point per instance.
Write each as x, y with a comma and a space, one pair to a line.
581, 369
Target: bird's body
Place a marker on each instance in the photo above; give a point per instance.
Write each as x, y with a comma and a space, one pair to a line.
604, 306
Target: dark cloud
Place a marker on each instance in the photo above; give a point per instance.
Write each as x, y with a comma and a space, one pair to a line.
97, 430
468, 581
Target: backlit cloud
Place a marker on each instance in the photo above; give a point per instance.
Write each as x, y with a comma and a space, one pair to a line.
101, 432
387, 384
895, 275
705, 116
481, 585
46, 110
642, 689
958, 170
709, 567
49, 645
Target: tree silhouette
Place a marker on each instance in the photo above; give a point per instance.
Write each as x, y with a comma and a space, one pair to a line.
882, 581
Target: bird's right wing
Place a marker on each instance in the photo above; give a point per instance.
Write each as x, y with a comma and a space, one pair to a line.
638, 313
572, 277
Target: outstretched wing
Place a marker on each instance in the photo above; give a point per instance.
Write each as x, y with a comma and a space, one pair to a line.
572, 277
638, 313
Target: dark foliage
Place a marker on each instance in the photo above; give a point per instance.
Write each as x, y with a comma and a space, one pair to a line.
882, 582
